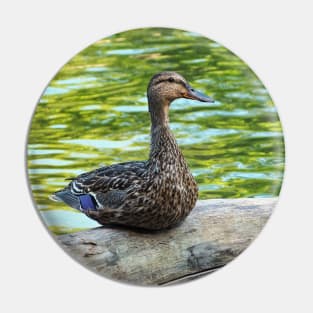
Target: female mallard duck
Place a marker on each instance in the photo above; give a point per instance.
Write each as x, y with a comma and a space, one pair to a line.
153, 194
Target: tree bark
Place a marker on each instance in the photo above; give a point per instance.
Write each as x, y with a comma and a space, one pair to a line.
213, 234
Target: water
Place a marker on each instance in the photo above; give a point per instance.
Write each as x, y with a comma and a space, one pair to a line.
94, 113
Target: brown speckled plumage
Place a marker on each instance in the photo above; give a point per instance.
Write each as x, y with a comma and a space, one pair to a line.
153, 194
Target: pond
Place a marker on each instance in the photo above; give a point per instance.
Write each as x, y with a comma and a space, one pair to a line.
94, 113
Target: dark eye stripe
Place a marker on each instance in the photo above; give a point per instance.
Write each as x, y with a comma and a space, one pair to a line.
161, 81
167, 80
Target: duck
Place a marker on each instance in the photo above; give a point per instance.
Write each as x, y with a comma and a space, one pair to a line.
154, 194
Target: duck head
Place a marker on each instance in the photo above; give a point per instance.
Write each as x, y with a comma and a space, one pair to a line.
164, 88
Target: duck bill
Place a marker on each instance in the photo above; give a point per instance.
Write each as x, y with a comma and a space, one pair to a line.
197, 95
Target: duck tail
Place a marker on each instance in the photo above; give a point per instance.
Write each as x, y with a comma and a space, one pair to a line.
83, 203
67, 197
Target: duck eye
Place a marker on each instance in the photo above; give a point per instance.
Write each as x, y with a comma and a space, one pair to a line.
171, 80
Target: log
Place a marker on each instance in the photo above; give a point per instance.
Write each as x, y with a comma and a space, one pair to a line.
215, 232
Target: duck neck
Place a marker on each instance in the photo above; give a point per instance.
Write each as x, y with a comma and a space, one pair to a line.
158, 109
163, 142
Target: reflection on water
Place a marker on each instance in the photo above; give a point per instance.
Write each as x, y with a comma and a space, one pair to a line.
94, 113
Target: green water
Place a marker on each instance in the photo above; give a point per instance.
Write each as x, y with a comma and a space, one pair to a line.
94, 113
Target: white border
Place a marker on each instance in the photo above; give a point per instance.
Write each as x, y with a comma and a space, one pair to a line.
274, 38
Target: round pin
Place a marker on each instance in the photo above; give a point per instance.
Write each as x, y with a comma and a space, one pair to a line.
155, 156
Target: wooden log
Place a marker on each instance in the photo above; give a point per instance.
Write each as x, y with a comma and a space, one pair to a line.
213, 234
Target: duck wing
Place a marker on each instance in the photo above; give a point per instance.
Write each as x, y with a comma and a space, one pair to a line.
117, 176
104, 186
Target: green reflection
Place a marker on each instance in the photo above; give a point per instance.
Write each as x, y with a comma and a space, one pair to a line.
94, 113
